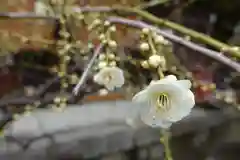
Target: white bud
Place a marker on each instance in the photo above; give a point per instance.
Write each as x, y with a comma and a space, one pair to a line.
111, 56
80, 17
145, 30
156, 60
96, 21
113, 64
145, 64
159, 39
67, 58
102, 64
107, 23
235, 48
112, 28
102, 37
74, 79
102, 57
61, 52
144, 46
112, 44
68, 46
57, 100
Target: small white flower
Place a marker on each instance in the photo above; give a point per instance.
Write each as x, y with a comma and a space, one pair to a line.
41, 8
167, 101
110, 77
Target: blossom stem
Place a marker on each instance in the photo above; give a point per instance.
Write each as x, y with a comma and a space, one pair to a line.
160, 73
165, 136
152, 46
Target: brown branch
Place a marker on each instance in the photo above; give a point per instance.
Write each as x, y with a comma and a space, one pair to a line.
208, 52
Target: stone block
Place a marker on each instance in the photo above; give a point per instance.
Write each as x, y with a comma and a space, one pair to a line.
143, 153
156, 152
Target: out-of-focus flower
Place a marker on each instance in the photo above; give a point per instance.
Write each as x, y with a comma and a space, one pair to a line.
41, 8
110, 77
167, 101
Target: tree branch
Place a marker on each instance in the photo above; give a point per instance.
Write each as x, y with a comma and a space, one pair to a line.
210, 53
144, 14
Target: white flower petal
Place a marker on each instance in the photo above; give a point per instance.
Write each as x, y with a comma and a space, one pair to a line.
185, 83
98, 79
163, 124
172, 89
134, 122
116, 74
141, 96
182, 109
110, 87
155, 122
169, 78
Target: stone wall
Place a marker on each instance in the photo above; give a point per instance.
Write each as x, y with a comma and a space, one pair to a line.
98, 131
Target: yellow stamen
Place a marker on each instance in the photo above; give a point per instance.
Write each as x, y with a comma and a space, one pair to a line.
108, 77
163, 102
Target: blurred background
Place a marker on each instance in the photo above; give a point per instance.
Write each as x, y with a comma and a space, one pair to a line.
28, 62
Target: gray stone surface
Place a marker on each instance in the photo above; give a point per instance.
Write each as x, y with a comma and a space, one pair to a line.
156, 152
142, 153
89, 131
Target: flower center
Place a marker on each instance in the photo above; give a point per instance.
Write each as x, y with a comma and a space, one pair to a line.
163, 102
108, 78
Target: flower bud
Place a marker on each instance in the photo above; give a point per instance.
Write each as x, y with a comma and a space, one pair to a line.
102, 64
113, 64
111, 56
156, 60
144, 47
102, 56
145, 30
145, 64
112, 28
112, 44
159, 39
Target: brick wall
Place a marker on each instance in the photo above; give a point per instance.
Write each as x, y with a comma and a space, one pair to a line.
11, 30
16, 5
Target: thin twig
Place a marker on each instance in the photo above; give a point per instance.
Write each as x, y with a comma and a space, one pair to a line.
25, 15
87, 69
152, 3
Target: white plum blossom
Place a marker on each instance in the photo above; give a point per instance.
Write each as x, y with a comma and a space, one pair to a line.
167, 101
110, 77
41, 8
